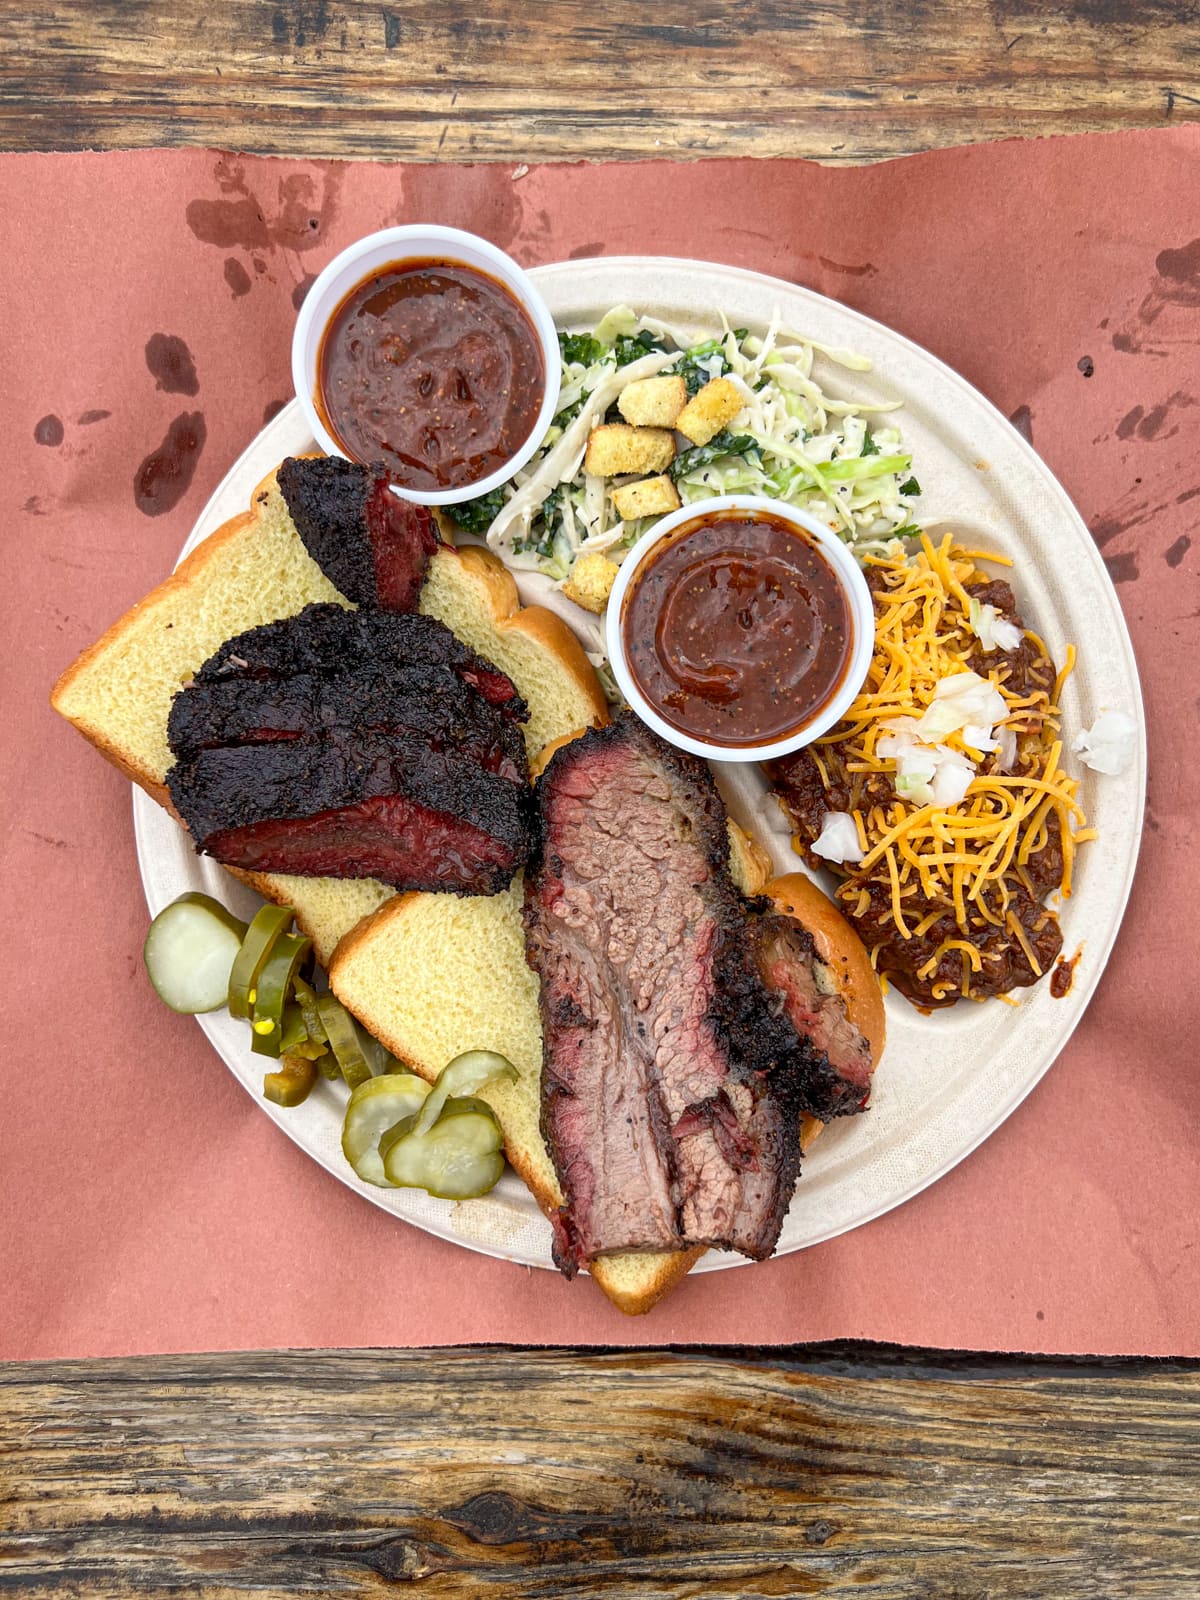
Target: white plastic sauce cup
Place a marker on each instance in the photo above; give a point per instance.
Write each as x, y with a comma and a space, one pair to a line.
858, 601
415, 242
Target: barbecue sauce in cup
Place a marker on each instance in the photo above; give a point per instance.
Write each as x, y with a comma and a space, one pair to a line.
433, 368
737, 629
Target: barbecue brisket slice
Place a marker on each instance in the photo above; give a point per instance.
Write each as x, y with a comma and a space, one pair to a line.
347, 744
327, 641
372, 545
836, 1079
422, 702
671, 1074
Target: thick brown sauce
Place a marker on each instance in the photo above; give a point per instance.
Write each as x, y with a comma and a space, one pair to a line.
433, 369
1062, 978
737, 629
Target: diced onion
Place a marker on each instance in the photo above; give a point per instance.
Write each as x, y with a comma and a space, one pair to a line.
993, 631
838, 839
1108, 745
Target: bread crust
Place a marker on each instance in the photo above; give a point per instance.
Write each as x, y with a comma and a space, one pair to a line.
845, 957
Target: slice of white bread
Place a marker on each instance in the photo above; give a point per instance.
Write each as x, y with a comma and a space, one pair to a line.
255, 569
432, 976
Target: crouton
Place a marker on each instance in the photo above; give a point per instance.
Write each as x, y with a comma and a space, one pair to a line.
712, 409
615, 448
591, 581
653, 402
652, 497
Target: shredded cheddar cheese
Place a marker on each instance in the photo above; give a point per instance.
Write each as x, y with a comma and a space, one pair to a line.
953, 869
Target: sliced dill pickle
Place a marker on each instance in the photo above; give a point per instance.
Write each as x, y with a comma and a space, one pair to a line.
306, 998
272, 990
459, 1158
292, 1082
373, 1108
268, 924
343, 1040
189, 952
327, 1066
296, 1039
465, 1075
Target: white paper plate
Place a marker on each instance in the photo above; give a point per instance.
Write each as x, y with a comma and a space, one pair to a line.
946, 1081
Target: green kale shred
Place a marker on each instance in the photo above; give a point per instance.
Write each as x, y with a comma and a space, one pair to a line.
700, 455
869, 447
633, 346
476, 516
695, 375
540, 541
910, 486
581, 348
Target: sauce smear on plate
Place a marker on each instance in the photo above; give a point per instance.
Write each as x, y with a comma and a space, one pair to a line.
432, 368
737, 629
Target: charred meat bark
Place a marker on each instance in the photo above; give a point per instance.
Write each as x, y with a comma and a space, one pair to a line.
671, 1075
837, 1078
301, 750
415, 702
372, 545
328, 641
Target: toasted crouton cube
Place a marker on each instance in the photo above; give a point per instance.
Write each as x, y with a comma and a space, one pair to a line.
591, 581
712, 409
652, 497
653, 402
615, 448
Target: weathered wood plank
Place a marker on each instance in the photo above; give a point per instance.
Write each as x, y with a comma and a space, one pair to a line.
420, 79
550, 1473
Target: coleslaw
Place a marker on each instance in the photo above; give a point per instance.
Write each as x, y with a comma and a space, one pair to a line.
835, 457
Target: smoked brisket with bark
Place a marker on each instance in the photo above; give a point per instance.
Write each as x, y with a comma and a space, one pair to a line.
369, 543
329, 641
672, 1077
421, 702
354, 745
837, 1080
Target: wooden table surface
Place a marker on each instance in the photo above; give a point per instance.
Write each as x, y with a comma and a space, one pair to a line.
829, 1471
423, 79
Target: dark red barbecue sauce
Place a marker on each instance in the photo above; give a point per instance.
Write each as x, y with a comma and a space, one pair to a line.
432, 368
1063, 976
737, 629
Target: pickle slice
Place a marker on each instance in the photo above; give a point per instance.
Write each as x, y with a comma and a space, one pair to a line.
343, 1040
297, 1041
465, 1075
458, 1159
373, 1108
267, 926
292, 1082
306, 997
272, 990
190, 950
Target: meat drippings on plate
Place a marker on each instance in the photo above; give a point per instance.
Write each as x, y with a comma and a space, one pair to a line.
673, 1079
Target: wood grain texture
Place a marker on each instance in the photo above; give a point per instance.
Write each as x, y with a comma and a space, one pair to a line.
548, 1473
426, 79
